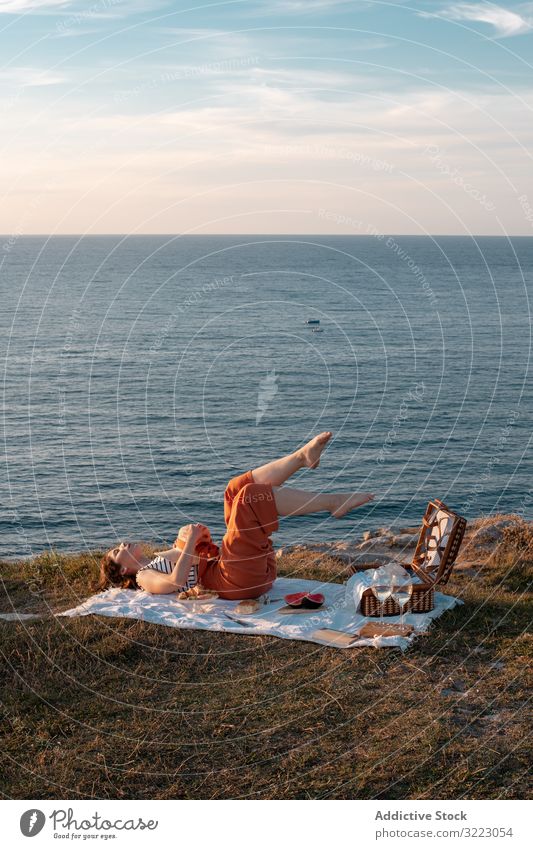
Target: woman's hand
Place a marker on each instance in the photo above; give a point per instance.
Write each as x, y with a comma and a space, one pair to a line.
193, 534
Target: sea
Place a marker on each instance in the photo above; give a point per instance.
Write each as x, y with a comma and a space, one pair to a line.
140, 373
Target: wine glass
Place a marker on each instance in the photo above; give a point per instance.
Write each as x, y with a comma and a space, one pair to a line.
401, 596
381, 592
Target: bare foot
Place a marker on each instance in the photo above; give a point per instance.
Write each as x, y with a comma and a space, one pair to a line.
313, 449
344, 502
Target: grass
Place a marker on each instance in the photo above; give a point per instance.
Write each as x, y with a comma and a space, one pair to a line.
110, 708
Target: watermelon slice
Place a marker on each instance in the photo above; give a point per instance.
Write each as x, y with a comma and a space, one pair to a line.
308, 600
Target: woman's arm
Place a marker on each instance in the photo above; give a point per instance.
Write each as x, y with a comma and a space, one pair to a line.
187, 558
156, 582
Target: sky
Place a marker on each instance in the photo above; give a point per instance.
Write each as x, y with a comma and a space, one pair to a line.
266, 116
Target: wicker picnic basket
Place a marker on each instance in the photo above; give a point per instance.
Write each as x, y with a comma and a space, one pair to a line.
440, 537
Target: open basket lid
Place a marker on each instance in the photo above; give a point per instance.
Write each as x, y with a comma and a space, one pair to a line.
440, 537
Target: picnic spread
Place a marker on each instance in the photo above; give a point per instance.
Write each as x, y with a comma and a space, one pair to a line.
337, 613
381, 604
403, 597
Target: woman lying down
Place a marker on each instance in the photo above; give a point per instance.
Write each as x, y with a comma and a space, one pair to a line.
245, 565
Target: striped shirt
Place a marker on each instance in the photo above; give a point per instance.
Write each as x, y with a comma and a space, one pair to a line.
161, 564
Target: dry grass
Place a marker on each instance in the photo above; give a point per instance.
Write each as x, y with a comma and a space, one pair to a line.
111, 708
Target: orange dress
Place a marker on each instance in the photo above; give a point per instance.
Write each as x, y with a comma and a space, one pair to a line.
246, 566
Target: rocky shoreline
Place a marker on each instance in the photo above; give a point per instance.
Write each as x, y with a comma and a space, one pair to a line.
482, 535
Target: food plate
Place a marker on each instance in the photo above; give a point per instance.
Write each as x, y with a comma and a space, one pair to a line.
307, 601
204, 598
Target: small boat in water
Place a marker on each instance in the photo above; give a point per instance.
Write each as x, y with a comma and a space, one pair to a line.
318, 329
313, 321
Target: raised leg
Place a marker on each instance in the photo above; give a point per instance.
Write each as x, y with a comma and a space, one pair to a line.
278, 471
297, 502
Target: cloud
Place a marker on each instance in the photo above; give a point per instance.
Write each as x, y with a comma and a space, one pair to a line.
30, 77
304, 5
80, 10
307, 5
296, 78
17, 7
257, 117
190, 32
262, 8
280, 150
504, 21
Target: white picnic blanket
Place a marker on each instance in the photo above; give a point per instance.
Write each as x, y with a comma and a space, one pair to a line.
339, 612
